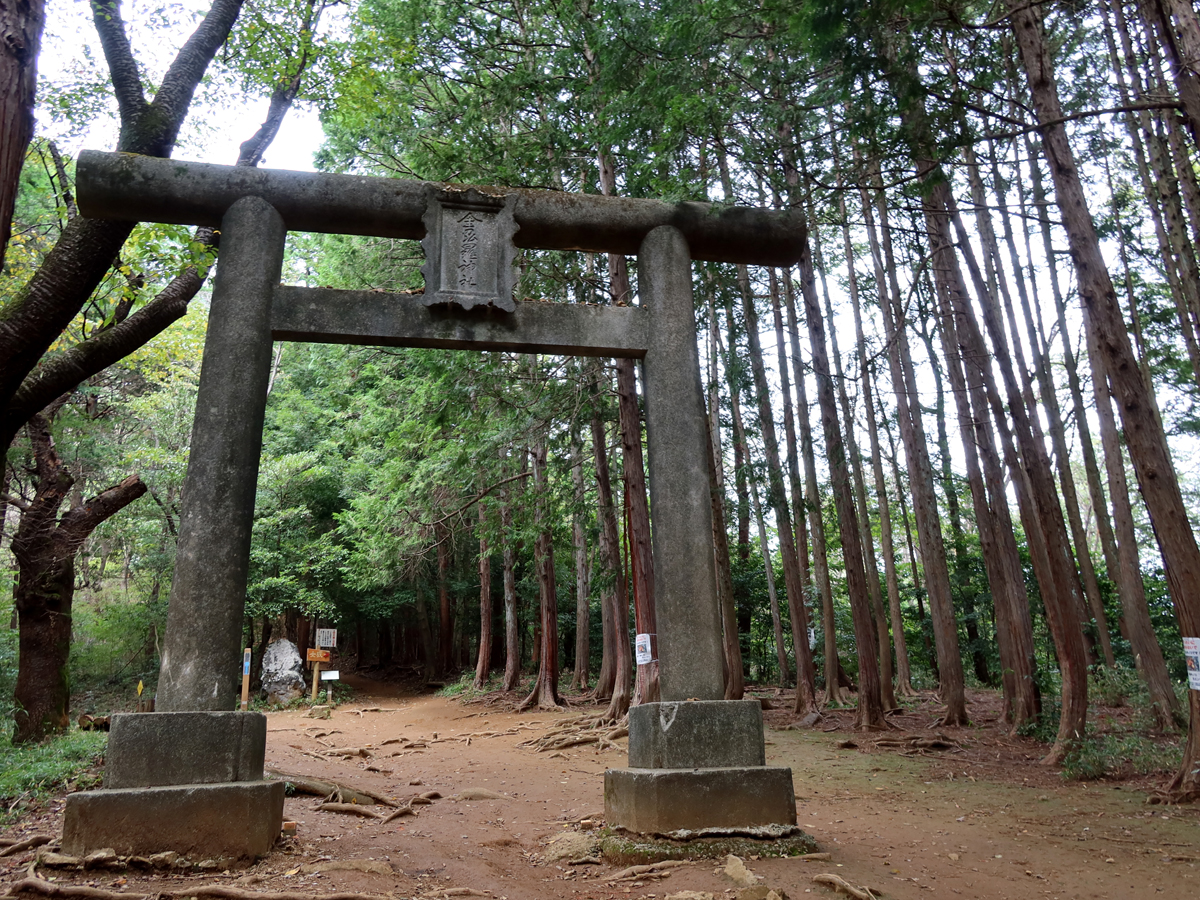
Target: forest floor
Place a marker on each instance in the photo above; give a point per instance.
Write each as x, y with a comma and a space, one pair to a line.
972, 814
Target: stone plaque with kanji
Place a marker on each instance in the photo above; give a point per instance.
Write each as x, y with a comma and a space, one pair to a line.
469, 249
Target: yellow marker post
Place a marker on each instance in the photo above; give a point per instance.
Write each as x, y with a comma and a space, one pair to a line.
316, 656
245, 679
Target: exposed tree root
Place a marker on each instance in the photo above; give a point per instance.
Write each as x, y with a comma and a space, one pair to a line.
842, 886
332, 791
402, 811
350, 809
578, 731
653, 870
29, 843
919, 745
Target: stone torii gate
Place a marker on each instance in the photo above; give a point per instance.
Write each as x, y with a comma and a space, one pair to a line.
190, 777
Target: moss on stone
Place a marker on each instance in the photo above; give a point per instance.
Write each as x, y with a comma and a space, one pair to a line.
624, 848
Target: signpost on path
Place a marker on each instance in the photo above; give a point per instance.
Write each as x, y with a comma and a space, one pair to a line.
326, 637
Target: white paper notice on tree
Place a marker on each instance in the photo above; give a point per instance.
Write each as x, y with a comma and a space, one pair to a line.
641, 649
1191, 653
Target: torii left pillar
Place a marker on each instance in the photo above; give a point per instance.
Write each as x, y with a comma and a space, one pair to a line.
189, 778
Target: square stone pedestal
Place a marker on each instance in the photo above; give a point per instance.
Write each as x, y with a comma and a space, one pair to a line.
234, 821
191, 782
698, 766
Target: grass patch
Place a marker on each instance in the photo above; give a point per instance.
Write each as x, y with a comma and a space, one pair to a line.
32, 771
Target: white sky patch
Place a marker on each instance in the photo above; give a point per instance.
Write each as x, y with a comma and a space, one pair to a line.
76, 108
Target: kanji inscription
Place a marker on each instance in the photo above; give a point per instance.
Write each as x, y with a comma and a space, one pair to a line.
469, 250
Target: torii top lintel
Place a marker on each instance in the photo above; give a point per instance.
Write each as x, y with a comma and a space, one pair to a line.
129, 187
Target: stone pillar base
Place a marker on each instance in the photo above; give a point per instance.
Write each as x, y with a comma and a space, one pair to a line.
191, 782
698, 766
234, 821
734, 799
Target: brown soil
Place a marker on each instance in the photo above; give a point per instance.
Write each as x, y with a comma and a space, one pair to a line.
980, 818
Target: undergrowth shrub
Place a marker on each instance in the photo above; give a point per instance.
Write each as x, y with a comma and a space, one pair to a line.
1117, 686
1119, 753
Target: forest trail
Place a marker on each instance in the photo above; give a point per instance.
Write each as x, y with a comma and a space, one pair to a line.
950, 824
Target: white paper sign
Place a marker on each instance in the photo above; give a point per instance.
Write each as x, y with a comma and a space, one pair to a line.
1191, 653
330, 675
642, 650
326, 637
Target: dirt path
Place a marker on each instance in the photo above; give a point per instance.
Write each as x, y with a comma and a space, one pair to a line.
908, 827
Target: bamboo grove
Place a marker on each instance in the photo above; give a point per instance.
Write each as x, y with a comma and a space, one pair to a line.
949, 448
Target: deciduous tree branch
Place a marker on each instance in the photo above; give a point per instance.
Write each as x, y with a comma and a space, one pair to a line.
174, 95
127, 82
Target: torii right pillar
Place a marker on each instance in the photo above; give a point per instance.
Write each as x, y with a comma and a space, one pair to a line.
697, 762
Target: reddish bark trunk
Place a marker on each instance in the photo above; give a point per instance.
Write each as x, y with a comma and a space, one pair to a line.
483, 664
869, 714
583, 575
21, 24
45, 547
616, 641
545, 689
920, 479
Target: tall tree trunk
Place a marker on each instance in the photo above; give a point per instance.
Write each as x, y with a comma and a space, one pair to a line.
646, 690
869, 714
967, 600
1001, 557
1095, 490
1177, 29
997, 281
891, 576
734, 677
833, 666
781, 659
583, 574
812, 498
920, 479
886, 673
1058, 579
45, 546
1147, 653
483, 663
610, 552
777, 497
906, 519
512, 632
21, 24
545, 688
789, 431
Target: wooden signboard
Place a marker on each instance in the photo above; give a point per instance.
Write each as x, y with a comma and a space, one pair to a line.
318, 655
